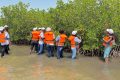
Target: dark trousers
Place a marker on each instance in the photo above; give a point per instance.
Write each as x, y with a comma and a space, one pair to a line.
50, 49
34, 44
2, 47
6, 49
60, 52
44, 45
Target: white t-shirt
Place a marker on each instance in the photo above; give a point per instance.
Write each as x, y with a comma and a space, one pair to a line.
42, 36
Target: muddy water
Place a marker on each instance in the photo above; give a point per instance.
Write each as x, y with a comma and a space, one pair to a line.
19, 65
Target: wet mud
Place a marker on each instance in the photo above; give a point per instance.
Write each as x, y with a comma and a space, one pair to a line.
20, 65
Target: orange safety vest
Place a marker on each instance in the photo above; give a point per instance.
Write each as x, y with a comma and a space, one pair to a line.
62, 40
106, 39
72, 41
35, 35
2, 38
49, 37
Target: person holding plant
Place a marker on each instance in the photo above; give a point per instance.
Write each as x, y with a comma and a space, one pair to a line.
108, 43
60, 41
73, 40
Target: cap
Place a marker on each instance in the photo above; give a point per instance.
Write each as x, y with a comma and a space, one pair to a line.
48, 29
74, 32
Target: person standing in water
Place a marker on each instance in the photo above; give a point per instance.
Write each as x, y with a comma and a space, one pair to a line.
34, 40
49, 39
60, 41
108, 43
7, 43
73, 40
41, 42
2, 41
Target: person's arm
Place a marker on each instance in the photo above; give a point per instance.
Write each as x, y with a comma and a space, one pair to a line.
53, 36
42, 35
57, 39
77, 40
8, 37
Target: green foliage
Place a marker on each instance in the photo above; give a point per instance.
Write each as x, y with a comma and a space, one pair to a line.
89, 17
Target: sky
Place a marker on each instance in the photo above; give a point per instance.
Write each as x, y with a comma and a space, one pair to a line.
41, 4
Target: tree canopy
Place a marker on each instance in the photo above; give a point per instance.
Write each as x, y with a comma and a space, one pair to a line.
89, 17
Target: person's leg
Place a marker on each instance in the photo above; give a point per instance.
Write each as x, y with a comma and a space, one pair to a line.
43, 48
2, 51
61, 52
106, 53
52, 50
6, 49
73, 53
32, 46
58, 52
49, 51
36, 46
40, 49
107, 60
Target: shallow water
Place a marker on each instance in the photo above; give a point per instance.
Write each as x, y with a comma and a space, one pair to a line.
20, 65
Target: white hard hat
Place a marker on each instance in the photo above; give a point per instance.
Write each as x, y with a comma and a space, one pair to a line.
111, 31
6, 26
1, 28
34, 29
39, 28
48, 29
43, 28
74, 32
107, 30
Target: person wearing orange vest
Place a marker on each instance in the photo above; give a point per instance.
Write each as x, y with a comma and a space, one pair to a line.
2, 41
60, 41
73, 40
34, 41
49, 38
108, 43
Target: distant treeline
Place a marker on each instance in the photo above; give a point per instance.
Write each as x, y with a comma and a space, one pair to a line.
89, 17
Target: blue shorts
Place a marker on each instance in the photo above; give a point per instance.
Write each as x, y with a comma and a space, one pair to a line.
107, 51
